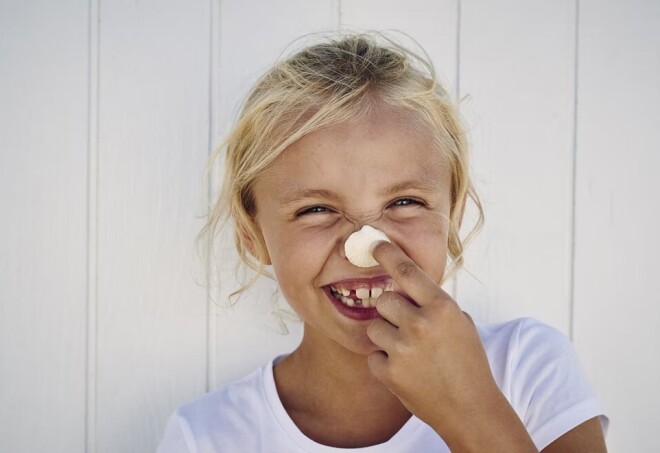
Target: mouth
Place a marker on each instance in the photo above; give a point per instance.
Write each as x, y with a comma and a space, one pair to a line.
357, 299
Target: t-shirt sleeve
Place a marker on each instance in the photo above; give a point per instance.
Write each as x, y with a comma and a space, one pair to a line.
552, 393
174, 440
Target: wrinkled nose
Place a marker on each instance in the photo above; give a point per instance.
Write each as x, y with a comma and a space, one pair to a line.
364, 218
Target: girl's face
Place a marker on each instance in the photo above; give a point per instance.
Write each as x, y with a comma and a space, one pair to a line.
379, 171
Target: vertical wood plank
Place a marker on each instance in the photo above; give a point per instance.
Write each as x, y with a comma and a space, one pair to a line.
252, 35
92, 225
43, 199
517, 66
617, 307
153, 144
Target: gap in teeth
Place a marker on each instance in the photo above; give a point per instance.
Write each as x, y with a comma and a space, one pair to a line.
364, 302
361, 293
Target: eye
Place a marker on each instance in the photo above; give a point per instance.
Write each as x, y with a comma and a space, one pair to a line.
406, 202
312, 210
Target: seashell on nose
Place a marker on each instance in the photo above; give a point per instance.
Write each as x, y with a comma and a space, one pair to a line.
358, 246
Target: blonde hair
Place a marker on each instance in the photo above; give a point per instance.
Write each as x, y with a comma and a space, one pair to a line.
323, 84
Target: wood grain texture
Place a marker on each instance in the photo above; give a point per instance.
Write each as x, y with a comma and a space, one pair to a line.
517, 66
617, 307
153, 144
43, 233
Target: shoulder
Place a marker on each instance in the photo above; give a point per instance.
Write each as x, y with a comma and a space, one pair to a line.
221, 420
522, 351
235, 399
517, 329
523, 336
538, 371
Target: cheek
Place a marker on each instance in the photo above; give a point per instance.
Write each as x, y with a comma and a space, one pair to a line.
298, 255
310, 244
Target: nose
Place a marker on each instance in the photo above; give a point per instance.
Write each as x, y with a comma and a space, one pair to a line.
364, 218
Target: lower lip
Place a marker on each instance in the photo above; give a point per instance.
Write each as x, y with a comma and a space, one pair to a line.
356, 313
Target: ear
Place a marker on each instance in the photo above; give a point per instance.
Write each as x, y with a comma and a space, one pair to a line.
256, 246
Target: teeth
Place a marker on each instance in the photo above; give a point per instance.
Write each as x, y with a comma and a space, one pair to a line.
362, 293
376, 291
366, 297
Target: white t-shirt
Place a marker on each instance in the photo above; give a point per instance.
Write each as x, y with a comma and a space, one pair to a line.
534, 365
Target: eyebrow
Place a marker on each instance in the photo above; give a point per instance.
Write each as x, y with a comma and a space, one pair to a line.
294, 195
417, 184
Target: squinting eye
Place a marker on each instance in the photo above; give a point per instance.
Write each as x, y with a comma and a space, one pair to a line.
406, 202
312, 210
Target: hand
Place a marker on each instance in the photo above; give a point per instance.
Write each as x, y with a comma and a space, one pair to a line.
431, 357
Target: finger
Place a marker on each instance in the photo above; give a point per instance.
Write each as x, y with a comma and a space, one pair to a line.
377, 362
395, 308
469, 318
382, 333
412, 279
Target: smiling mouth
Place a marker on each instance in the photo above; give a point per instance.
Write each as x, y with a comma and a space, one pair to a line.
361, 297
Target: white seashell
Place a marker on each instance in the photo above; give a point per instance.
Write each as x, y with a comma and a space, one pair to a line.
358, 245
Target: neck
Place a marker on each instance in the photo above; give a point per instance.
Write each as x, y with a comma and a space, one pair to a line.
327, 376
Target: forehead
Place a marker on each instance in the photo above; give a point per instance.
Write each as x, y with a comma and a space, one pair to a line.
378, 150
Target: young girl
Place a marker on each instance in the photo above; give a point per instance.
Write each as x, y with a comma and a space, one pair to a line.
357, 131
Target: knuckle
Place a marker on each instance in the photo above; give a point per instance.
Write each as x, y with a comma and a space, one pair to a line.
443, 307
440, 312
405, 269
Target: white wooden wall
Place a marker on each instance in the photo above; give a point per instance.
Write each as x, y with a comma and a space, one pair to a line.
108, 111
